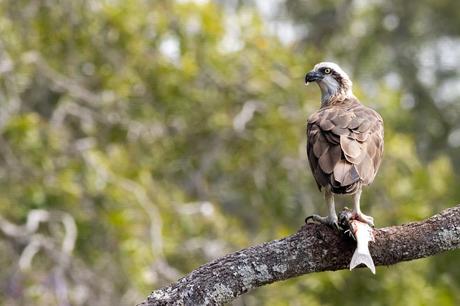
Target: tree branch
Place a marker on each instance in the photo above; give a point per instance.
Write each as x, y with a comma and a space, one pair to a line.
314, 248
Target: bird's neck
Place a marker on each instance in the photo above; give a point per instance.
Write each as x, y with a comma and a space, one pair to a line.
330, 96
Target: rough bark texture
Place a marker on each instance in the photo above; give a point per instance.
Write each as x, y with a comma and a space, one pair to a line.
314, 248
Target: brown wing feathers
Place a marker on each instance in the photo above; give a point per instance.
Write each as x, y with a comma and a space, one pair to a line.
344, 146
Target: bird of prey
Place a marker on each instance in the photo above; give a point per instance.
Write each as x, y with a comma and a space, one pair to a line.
344, 141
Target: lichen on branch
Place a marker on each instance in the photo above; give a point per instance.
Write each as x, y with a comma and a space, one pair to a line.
314, 248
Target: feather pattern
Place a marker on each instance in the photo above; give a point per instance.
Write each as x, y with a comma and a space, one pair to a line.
344, 145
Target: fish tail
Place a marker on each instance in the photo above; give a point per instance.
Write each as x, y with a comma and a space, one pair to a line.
360, 257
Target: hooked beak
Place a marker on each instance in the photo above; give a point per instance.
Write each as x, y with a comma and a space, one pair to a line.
313, 76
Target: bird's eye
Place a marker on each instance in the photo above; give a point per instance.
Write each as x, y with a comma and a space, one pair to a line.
327, 70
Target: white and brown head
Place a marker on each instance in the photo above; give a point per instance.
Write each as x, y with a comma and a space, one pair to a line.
334, 83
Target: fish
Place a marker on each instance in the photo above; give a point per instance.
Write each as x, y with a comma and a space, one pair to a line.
363, 233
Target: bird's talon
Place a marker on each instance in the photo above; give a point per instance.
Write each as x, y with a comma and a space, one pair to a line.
329, 221
364, 218
308, 218
337, 226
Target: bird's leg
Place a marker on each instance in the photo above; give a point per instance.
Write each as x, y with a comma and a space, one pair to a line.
332, 219
357, 214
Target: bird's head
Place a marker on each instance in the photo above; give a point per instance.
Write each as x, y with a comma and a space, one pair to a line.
334, 83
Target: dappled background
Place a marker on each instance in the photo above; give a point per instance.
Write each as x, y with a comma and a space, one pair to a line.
140, 139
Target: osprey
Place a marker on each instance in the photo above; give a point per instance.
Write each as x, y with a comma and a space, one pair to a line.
344, 141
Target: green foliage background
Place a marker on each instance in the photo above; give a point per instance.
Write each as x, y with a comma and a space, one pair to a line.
172, 132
